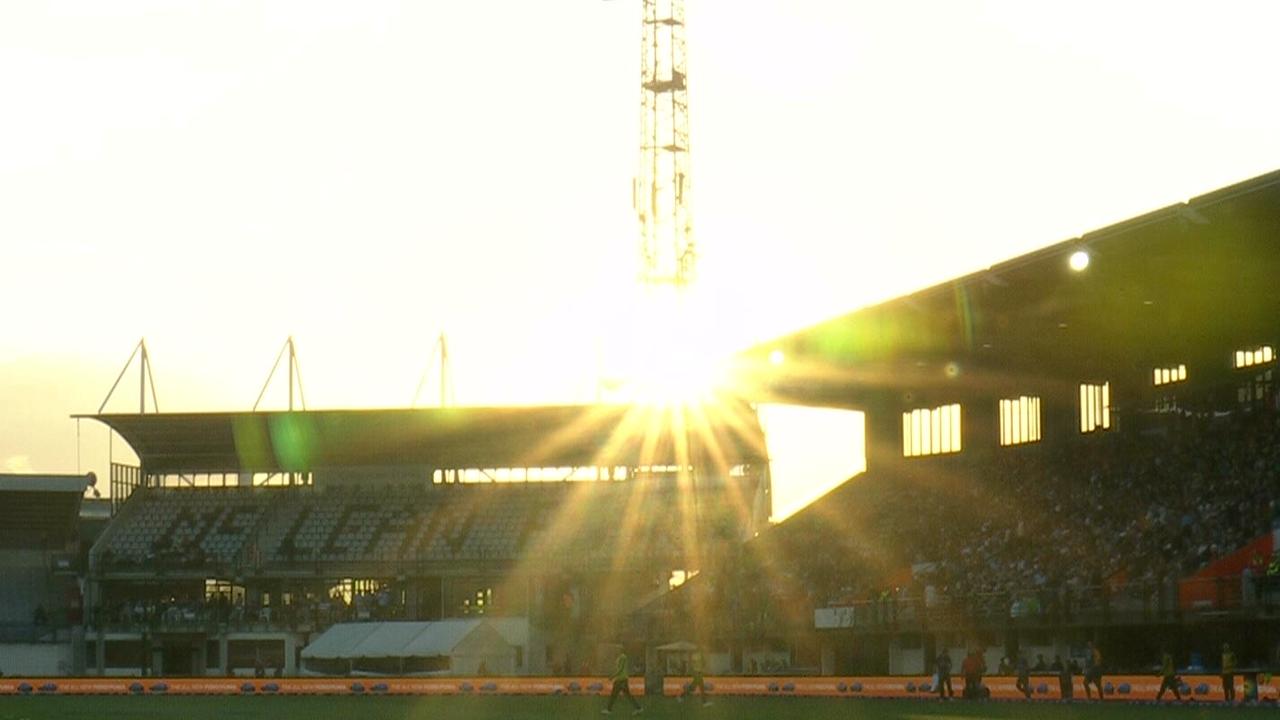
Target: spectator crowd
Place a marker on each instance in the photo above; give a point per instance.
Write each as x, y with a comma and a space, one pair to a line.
1032, 529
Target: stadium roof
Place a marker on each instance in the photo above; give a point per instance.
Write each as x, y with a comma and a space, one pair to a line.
548, 436
1186, 284
46, 483
39, 511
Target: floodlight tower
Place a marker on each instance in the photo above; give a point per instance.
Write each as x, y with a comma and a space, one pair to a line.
660, 193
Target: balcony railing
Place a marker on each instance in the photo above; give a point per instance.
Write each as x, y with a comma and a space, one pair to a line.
1141, 602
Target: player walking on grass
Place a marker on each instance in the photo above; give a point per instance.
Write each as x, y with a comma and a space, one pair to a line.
698, 682
1023, 683
1093, 670
621, 685
943, 666
1168, 677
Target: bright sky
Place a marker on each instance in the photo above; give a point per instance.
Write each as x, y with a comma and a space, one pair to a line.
216, 176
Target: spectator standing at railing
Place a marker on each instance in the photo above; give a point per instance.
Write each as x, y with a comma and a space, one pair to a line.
1065, 687
1005, 667
1228, 674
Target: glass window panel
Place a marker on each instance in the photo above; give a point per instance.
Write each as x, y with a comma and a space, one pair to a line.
1036, 403
1023, 420
1003, 406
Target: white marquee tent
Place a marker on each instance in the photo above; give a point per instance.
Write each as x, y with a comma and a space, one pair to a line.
457, 647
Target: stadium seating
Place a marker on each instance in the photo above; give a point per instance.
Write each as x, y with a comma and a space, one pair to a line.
183, 526
581, 522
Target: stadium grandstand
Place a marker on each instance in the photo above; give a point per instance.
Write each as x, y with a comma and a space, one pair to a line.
244, 536
1080, 443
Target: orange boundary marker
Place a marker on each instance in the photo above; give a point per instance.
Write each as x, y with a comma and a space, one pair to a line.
312, 686
1045, 687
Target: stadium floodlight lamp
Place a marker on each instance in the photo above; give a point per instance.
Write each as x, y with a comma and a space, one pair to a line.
1079, 260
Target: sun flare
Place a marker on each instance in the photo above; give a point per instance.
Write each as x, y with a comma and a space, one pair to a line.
664, 349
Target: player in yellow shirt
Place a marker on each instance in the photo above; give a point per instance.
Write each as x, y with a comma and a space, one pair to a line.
1093, 670
621, 685
1228, 674
698, 682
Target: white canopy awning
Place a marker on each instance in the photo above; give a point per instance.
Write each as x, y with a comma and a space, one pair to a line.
678, 646
348, 641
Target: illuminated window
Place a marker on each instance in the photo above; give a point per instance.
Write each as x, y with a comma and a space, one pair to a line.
1166, 375
479, 602
215, 589
1255, 356
1019, 420
1095, 407
931, 431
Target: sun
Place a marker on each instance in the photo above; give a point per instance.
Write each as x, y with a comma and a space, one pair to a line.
678, 378
667, 375
665, 351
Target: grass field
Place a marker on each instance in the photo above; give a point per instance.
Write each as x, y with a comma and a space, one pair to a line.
574, 708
